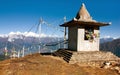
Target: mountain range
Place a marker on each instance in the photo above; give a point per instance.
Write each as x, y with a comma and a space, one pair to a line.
31, 40
106, 39
112, 46
12, 36
27, 39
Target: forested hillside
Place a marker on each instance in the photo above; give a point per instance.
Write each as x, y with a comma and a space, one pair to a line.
113, 46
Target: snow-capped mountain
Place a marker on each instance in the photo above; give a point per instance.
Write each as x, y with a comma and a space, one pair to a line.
27, 35
18, 39
23, 35
106, 39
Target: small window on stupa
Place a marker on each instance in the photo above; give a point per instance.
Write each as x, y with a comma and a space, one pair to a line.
89, 31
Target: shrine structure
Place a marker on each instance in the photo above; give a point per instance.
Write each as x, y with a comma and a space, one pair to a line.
83, 41
83, 32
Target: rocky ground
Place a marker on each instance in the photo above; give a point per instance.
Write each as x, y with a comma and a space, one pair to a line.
37, 64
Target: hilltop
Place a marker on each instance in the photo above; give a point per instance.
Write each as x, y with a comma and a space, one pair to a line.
37, 64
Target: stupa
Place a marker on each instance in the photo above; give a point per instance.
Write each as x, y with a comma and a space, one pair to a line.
83, 40
83, 32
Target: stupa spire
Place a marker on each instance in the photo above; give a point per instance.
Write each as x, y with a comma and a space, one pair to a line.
83, 14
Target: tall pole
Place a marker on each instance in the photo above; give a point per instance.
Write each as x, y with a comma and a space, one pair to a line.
18, 54
39, 32
23, 54
59, 43
65, 33
6, 51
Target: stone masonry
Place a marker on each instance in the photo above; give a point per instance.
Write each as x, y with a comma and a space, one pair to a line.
91, 57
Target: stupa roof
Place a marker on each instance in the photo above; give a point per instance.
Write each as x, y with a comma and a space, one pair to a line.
83, 18
83, 14
84, 23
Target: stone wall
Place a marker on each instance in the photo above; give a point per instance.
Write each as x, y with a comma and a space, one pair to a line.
96, 58
90, 58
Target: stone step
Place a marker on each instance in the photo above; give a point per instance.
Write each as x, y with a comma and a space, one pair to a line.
66, 55
86, 57
96, 56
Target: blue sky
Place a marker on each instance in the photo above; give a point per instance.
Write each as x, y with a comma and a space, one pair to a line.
21, 15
